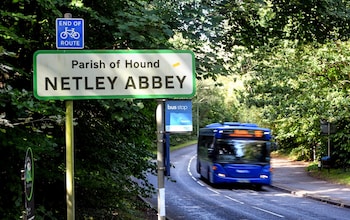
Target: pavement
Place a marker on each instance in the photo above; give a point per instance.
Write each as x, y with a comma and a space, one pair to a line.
291, 176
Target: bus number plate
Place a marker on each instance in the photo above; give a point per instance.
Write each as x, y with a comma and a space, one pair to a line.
243, 181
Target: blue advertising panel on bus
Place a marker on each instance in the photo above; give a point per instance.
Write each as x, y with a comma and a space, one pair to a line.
178, 116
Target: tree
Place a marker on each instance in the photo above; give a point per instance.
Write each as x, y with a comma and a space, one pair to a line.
296, 88
114, 138
296, 65
261, 23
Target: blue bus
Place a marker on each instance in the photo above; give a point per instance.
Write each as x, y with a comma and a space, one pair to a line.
233, 152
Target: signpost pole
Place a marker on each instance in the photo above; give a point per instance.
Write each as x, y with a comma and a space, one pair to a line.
160, 158
329, 139
70, 195
70, 161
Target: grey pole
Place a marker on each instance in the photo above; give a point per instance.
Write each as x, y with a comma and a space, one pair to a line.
160, 158
329, 139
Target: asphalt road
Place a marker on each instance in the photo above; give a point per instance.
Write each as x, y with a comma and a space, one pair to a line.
188, 197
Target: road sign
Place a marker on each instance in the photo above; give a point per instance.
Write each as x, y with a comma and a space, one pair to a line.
178, 116
69, 33
98, 74
29, 184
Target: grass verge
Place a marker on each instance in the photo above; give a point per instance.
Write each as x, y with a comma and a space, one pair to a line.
333, 175
172, 148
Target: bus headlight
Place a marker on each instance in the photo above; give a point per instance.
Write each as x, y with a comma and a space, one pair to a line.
221, 175
263, 176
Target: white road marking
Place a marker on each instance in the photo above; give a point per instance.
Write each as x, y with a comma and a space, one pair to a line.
267, 211
228, 197
200, 183
235, 200
214, 191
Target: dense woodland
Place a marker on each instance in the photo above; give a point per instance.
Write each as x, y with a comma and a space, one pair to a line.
281, 64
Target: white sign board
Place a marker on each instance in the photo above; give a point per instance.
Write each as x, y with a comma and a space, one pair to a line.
69, 33
108, 74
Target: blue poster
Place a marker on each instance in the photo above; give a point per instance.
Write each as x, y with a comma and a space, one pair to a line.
178, 116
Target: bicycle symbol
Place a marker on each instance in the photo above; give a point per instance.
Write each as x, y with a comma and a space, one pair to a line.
70, 32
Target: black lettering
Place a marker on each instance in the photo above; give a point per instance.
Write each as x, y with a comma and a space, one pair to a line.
130, 83
156, 64
86, 84
143, 64
128, 64
53, 85
99, 82
64, 83
181, 81
77, 78
169, 80
74, 63
156, 82
102, 65
143, 82
112, 81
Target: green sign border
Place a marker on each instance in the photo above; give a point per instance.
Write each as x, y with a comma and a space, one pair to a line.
146, 96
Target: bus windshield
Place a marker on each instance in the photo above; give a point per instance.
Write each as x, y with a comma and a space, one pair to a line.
241, 151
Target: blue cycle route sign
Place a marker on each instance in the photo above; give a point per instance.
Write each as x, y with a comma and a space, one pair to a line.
69, 33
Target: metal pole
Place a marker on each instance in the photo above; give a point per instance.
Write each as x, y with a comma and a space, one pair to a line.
197, 119
160, 158
70, 161
70, 195
329, 139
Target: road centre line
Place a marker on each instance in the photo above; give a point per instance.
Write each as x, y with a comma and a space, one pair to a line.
269, 212
228, 197
200, 183
214, 191
235, 200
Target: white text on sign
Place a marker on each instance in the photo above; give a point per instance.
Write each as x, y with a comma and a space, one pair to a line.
177, 107
69, 23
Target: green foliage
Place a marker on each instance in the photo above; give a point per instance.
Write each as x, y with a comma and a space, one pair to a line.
118, 150
211, 104
298, 87
292, 55
113, 139
260, 23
